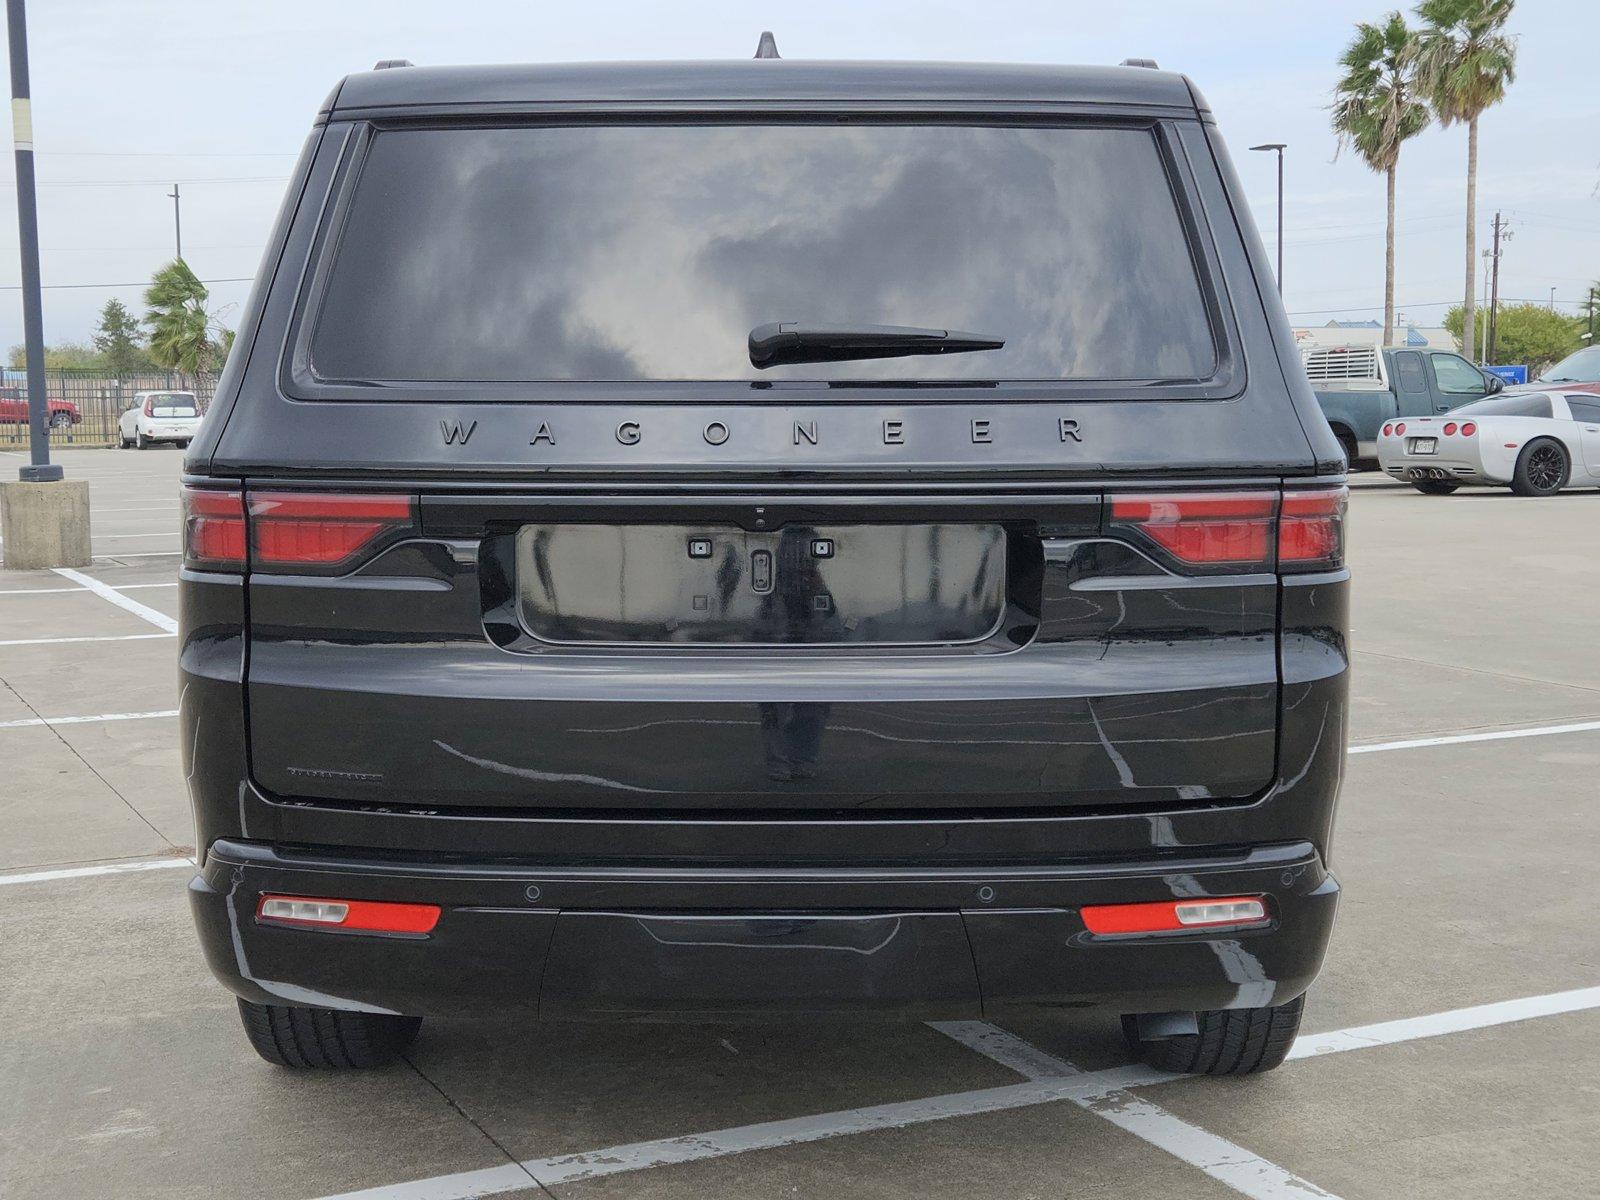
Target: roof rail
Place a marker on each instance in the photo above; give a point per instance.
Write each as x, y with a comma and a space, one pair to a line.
767, 47
1148, 63
384, 64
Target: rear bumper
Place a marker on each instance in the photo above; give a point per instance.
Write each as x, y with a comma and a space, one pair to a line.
653, 943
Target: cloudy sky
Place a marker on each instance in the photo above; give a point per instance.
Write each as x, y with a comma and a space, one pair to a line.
131, 96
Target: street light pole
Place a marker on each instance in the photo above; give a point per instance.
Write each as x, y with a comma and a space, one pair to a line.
39, 468
177, 220
1279, 147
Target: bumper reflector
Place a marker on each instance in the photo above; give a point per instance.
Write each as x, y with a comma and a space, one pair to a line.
1162, 916
367, 916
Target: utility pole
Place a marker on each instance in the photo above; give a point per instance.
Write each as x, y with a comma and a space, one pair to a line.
1591, 315
177, 220
39, 469
1501, 234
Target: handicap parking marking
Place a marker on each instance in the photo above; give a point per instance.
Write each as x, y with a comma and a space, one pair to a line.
1086, 1088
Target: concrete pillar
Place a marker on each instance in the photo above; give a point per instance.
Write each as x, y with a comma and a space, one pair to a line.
44, 524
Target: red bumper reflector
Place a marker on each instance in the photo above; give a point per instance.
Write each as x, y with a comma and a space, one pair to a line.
367, 916
1162, 916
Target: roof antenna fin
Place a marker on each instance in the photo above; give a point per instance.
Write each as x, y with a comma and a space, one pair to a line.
768, 46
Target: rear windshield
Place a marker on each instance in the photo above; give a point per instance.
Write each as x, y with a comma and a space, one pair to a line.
169, 404
1507, 406
650, 252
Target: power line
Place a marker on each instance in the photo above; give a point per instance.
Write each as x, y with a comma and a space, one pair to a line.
14, 287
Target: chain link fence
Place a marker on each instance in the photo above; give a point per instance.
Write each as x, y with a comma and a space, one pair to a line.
85, 406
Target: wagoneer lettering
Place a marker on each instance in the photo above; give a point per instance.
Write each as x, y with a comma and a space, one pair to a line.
763, 587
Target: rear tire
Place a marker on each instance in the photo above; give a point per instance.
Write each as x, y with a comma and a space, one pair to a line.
325, 1038
1435, 487
1542, 468
1231, 1041
141, 441
1348, 445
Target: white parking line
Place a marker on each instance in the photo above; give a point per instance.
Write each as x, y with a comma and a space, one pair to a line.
1494, 735
117, 868
106, 592
1227, 1163
1087, 1086
29, 722
1457, 1020
54, 591
56, 641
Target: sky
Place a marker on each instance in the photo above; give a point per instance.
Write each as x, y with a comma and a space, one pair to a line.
130, 96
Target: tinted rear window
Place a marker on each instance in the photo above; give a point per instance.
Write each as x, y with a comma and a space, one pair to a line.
649, 253
166, 405
1507, 406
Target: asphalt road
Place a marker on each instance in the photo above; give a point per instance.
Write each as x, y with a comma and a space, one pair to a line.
1452, 1045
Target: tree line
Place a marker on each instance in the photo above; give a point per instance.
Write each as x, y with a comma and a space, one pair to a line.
178, 332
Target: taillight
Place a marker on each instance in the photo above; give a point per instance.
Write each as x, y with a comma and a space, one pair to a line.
1167, 916
1468, 429
321, 529
213, 529
1387, 430
1449, 428
365, 916
150, 407
1400, 428
1311, 529
1204, 529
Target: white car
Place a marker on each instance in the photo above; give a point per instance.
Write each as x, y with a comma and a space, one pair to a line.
1537, 442
159, 417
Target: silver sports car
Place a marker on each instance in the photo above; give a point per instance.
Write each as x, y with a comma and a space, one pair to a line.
1535, 442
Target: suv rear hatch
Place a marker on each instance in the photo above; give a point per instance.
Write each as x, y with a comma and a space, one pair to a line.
533, 530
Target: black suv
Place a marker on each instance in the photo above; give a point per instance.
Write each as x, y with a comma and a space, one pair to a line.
726, 539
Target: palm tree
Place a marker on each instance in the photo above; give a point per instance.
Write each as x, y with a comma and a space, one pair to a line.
181, 326
1375, 109
1465, 62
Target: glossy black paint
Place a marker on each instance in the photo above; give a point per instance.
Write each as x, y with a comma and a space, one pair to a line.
629, 829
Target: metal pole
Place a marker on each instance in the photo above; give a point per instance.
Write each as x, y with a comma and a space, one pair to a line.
39, 469
1591, 315
1280, 222
1494, 290
177, 220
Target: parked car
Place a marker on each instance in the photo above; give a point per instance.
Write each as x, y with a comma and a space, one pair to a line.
1536, 442
1361, 387
851, 545
152, 417
14, 410
1577, 372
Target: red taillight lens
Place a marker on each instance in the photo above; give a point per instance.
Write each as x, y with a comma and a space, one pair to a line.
1387, 430
319, 529
1311, 529
365, 916
1468, 429
150, 407
213, 529
1203, 528
1400, 428
1166, 916
1449, 428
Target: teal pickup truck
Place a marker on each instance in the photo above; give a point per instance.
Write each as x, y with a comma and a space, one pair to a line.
1361, 387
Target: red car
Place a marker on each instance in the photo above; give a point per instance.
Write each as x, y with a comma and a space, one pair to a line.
1577, 372
14, 410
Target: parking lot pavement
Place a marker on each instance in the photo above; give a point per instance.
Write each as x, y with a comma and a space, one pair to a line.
1464, 860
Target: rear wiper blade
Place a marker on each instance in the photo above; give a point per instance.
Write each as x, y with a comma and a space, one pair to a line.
780, 342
